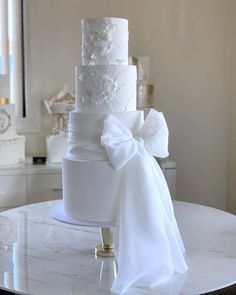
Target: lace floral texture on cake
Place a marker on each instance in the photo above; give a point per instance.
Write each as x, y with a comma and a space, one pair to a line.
104, 91
100, 42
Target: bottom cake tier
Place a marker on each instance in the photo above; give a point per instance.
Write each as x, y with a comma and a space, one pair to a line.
12, 151
90, 190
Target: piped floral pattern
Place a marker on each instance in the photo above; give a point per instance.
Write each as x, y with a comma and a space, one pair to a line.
99, 43
105, 91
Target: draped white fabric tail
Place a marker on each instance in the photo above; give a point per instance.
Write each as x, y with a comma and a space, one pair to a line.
148, 246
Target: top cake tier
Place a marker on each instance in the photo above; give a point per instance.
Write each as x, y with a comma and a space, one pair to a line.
105, 41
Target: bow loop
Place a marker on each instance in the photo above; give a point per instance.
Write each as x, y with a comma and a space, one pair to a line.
118, 142
155, 134
121, 146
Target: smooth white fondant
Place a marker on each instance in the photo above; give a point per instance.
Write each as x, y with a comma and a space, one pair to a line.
90, 190
4, 86
104, 41
40, 255
12, 151
56, 148
85, 131
7, 121
106, 88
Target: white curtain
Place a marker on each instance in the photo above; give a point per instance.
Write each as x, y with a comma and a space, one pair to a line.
11, 47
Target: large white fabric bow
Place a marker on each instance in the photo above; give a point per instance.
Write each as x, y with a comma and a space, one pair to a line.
148, 245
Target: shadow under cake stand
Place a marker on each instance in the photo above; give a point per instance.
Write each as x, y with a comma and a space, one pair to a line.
106, 248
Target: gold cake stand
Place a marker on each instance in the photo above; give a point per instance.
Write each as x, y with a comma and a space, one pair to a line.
106, 249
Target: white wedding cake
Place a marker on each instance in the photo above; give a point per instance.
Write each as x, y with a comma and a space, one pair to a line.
105, 83
109, 173
12, 146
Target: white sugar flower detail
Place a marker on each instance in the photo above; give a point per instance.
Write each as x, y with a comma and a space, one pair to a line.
104, 90
100, 42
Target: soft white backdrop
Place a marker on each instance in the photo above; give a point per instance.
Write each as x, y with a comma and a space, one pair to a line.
190, 43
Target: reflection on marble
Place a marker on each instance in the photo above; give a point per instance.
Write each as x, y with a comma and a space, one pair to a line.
42, 256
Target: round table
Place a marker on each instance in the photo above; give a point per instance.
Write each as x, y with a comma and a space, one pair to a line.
40, 255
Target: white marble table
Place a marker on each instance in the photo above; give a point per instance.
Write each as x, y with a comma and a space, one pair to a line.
41, 256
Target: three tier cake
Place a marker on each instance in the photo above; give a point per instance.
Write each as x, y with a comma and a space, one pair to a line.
109, 173
105, 83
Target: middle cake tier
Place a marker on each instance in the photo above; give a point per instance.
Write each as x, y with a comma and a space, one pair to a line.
85, 130
106, 88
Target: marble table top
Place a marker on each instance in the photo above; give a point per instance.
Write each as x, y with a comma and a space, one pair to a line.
42, 256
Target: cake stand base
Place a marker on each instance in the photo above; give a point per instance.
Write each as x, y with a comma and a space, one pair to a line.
106, 249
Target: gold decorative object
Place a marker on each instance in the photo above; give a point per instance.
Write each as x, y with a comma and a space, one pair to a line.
59, 107
4, 100
150, 90
106, 249
133, 61
145, 96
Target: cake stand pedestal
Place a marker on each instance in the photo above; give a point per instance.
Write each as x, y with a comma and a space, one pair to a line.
106, 248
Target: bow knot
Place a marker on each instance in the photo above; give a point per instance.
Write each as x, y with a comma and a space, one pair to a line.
139, 140
121, 145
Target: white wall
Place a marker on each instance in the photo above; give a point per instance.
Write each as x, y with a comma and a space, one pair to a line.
189, 45
231, 204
